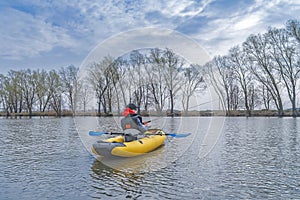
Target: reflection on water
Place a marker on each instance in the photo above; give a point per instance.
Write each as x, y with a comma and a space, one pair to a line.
149, 161
159, 185
255, 158
113, 183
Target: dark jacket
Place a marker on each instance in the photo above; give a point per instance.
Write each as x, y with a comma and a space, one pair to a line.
132, 120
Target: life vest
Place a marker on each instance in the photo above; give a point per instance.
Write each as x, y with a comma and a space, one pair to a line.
129, 122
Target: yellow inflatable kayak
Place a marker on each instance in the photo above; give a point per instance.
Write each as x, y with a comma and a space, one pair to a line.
116, 146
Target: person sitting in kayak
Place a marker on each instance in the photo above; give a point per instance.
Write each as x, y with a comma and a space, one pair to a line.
132, 120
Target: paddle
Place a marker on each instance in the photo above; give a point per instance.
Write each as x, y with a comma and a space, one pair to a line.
94, 133
176, 135
146, 122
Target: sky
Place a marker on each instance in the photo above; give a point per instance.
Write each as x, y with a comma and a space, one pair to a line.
50, 34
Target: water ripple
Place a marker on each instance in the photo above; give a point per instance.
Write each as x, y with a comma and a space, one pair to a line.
255, 158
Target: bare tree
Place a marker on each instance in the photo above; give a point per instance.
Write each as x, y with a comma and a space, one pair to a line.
28, 85
172, 64
100, 79
257, 48
156, 80
114, 75
96, 79
121, 81
222, 78
71, 85
293, 27
56, 101
240, 67
55, 92
15, 101
283, 51
266, 96
4, 96
85, 95
254, 97
136, 62
192, 81
54, 85
44, 88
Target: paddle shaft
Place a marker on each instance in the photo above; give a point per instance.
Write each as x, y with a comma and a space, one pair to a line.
93, 133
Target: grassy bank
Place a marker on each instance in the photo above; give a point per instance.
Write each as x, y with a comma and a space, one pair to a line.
238, 113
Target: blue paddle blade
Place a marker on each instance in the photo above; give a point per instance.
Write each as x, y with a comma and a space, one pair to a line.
178, 135
93, 133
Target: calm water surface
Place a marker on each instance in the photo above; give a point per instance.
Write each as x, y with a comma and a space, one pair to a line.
254, 158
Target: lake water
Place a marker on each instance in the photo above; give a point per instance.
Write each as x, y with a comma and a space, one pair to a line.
224, 158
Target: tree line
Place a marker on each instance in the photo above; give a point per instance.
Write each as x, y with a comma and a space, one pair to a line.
151, 78
262, 71
28, 91
156, 79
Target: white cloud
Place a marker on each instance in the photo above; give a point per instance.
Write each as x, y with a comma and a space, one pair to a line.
248, 21
40, 27
222, 33
184, 8
27, 36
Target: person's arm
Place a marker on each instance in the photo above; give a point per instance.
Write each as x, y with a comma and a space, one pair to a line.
141, 126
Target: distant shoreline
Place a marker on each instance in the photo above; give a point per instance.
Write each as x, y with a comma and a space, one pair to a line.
207, 113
